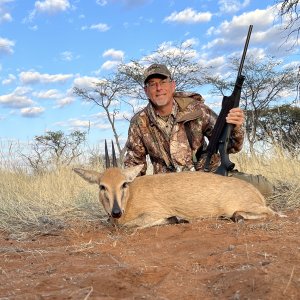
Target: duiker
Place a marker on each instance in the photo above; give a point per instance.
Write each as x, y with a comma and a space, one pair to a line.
174, 197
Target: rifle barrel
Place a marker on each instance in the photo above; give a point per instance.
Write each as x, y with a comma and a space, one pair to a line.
245, 50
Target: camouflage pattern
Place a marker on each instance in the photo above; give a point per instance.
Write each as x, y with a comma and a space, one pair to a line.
165, 140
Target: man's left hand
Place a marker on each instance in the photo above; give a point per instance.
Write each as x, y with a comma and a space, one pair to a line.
236, 117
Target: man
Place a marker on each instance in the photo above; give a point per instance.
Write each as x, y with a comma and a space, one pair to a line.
172, 128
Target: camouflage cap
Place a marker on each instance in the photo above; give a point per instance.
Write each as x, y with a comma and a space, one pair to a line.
156, 69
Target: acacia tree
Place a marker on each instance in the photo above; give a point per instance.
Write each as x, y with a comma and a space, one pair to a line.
106, 94
55, 148
281, 125
266, 84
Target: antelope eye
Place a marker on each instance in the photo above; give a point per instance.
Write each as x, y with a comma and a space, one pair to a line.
124, 185
102, 188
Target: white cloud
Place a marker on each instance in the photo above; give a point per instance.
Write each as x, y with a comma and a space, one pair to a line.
190, 42
232, 33
64, 101
102, 126
115, 54
80, 123
77, 123
33, 28
32, 112
17, 99
232, 6
219, 42
51, 6
109, 64
262, 19
133, 3
215, 63
101, 2
4, 15
49, 94
10, 79
6, 46
68, 56
53, 94
259, 53
36, 77
5, 1
86, 82
189, 16
100, 27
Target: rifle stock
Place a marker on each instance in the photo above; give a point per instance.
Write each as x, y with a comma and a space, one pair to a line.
220, 137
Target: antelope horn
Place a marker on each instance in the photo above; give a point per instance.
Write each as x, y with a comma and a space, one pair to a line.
114, 158
107, 162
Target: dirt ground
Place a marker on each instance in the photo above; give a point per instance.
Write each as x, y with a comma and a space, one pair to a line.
208, 259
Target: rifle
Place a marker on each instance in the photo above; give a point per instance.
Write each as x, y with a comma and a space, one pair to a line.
221, 133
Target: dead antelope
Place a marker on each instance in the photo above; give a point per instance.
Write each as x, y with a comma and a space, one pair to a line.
167, 198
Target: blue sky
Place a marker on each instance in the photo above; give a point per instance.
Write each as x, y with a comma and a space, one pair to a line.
49, 46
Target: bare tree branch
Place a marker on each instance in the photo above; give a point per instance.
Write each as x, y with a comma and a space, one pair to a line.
288, 11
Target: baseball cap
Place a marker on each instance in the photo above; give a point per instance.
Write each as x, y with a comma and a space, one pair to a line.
156, 69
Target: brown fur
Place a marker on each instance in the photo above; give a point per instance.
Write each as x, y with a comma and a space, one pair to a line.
151, 200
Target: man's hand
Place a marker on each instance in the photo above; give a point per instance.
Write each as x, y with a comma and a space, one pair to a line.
236, 117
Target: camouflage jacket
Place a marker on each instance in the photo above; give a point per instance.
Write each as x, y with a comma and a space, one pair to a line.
172, 152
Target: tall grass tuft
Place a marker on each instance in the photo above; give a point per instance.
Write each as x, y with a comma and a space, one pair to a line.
46, 202
281, 169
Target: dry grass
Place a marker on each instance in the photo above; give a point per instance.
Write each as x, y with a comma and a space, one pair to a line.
45, 203
282, 170
41, 204
276, 166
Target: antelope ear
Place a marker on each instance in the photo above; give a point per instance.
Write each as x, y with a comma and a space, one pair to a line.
88, 175
131, 172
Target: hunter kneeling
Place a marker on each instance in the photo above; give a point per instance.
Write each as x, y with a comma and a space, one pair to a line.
172, 128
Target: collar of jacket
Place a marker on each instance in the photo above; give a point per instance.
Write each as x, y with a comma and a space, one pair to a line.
150, 112
184, 99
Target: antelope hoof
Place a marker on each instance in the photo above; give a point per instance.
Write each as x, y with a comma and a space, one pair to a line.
176, 220
237, 218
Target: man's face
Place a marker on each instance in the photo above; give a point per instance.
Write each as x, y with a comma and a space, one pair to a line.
160, 91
